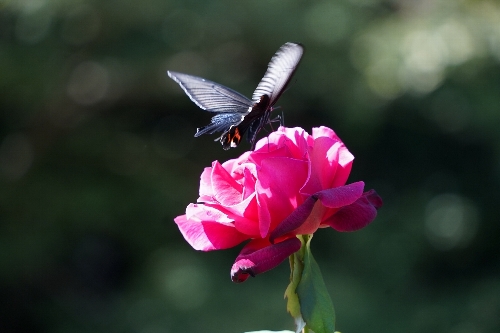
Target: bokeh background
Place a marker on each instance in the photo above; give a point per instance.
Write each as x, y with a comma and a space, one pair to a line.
97, 157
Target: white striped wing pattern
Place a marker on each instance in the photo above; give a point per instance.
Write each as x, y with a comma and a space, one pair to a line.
279, 72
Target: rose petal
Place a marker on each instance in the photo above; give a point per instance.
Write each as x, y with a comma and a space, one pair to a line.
264, 217
257, 157
356, 215
206, 192
341, 196
322, 165
279, 182
331, 198
294, 220
313, 221
243, 215
322, 131
339, 155
255, 259
248, 183
343, 158
226, 190
244, 220
297, 140
209, 235
229, 165
233, 166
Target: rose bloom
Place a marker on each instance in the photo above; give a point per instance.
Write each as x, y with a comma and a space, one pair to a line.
292, 184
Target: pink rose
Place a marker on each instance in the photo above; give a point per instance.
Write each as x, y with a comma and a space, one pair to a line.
292, 184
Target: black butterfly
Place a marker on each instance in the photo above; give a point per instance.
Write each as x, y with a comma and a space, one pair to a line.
234, 113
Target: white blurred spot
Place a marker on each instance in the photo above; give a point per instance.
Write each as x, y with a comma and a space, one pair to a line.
382, 79
427, 53
413, 53
420, 81
424, 61
33, 23
423, 51
88, 83
81, 25
458, 41
327, 22
488, 16
450, 221
16, 156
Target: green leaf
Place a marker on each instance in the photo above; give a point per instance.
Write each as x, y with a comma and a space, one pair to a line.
315, 303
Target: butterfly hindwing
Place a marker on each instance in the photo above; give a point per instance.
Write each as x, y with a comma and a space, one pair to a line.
220, 123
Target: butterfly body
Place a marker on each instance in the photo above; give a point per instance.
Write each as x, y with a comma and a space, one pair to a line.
236, 114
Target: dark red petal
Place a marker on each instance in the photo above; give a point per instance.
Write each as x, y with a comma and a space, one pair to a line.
357, 215
331, 198
374, 198
255, 262
341, 196
295, 219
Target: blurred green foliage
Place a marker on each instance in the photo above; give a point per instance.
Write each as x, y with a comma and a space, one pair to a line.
97, 157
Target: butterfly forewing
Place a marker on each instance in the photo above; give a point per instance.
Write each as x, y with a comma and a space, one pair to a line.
211, 96
279, 72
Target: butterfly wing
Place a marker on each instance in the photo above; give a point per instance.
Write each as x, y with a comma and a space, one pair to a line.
221, 122
211, 96
235, 114
230, 106
279, 72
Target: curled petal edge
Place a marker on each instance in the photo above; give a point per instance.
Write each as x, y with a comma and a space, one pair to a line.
332, 198
358, 214
252, 263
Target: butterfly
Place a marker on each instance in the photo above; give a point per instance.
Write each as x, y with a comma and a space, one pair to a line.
236, 114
